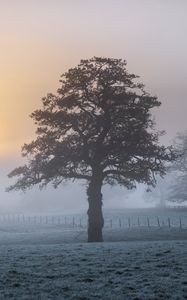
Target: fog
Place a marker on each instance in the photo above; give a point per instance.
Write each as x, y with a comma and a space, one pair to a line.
69, 198
41, 41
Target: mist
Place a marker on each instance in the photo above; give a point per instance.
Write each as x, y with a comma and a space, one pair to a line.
68, 198
36, 38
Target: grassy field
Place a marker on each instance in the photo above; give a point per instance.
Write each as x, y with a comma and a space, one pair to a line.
118, 271
55, 262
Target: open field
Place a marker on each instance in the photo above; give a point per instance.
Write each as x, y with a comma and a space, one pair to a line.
53, 262
125, 270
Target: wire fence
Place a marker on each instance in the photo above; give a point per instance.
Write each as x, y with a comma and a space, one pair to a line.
77, 221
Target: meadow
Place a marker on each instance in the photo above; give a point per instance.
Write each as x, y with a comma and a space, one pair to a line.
53, 261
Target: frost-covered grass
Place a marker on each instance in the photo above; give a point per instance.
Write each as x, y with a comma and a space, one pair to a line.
39, 262
125, 270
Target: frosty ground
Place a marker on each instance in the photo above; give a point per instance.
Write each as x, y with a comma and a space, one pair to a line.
54, 263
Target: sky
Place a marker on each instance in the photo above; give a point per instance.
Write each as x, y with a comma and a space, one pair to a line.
41, 39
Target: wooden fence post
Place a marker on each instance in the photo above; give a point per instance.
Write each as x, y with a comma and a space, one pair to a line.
169, 223
148, 222
180, 221
158, 221
129, 222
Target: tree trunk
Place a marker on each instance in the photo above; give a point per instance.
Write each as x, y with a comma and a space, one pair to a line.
95, 216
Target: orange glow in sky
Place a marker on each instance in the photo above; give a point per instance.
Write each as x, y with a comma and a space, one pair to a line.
42, 39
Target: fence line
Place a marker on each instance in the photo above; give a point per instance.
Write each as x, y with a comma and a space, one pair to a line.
110, 222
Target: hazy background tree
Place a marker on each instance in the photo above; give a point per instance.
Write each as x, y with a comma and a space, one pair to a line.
178, 190
160, 194
98, 128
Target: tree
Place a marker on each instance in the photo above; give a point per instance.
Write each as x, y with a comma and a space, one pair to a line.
178, 190
161, 193
98, 127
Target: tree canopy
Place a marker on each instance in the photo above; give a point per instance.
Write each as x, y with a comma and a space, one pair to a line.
97, 127
99, 117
